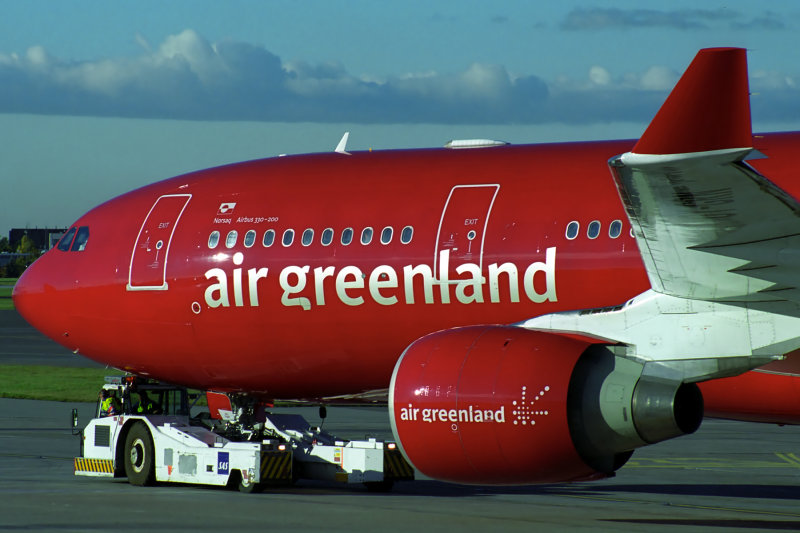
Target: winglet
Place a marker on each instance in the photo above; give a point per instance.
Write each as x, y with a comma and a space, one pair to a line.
341, 148
709, 108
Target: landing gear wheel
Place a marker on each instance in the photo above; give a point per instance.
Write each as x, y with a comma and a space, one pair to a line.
139, 456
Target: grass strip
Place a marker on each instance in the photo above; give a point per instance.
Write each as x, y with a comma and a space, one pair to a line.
58, 383
54, 383
6, 286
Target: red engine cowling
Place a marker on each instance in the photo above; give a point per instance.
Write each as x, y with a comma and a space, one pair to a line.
487, 405
504, 405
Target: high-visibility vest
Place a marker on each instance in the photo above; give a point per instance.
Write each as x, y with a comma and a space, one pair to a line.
107, 406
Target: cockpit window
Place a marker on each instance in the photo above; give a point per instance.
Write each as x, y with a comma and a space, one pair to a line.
66, 240
81, 238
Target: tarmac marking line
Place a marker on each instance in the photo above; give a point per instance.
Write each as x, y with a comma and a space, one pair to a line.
686, 505
788, 459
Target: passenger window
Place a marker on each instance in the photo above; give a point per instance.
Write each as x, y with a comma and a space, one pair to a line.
327, 236
269, 238
593, 230
347, 236
250, 238
572, 230
615, 229
366, 236
230, 240
80, 239
213, 239
406, 234
386, 235
308, 237
288, 237
66, 240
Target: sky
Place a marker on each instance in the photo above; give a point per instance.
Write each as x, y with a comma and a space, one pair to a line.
98, 97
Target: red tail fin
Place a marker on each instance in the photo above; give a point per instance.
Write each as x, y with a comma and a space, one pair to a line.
709, 108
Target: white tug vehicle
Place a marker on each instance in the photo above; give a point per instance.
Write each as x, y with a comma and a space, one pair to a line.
143, 430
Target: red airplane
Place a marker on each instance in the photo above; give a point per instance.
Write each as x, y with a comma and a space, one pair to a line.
529, 315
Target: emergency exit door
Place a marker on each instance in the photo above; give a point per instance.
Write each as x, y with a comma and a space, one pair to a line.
148, 269
463, 224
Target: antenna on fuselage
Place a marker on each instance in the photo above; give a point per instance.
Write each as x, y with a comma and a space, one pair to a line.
341, 147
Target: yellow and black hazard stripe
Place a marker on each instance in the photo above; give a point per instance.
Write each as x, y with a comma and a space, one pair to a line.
276, 466
97, 466
395, 466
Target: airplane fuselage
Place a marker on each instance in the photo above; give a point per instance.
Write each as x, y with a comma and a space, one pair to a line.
263, 276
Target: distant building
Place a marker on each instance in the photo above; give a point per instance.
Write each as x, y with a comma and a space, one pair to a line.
43, 238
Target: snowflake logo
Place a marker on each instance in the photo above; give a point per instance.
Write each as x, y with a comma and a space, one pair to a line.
524, 410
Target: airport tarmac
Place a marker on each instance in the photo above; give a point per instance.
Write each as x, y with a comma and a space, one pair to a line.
727, 476
21, 344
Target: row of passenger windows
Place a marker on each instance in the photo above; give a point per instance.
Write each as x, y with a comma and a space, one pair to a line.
593, 229
307, 237
72, 242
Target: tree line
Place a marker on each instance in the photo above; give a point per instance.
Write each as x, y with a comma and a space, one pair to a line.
17, 266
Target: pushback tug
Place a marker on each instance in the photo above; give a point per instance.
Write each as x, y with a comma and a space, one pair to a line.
143, 430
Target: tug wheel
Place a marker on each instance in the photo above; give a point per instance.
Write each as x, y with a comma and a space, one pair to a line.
246, 487
139, 455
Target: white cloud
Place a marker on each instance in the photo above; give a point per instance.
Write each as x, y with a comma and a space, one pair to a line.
770, 79
188, 77
484, 81
603, 18
658, 79
38, 58
599, 76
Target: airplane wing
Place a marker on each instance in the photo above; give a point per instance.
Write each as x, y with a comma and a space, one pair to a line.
708, 225
718, 239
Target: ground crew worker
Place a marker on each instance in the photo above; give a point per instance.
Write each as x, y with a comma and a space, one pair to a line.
145, 406
109, 405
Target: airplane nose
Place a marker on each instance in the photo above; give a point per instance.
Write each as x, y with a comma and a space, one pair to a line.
26, 294
36, 299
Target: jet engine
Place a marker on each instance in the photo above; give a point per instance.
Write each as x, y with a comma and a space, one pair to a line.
505, 405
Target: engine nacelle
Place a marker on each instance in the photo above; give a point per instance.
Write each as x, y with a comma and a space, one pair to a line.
504, 405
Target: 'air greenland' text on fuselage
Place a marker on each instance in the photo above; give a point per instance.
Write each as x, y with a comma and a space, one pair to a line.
305, 287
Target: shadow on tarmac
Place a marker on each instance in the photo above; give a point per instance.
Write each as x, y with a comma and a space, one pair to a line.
441, 489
